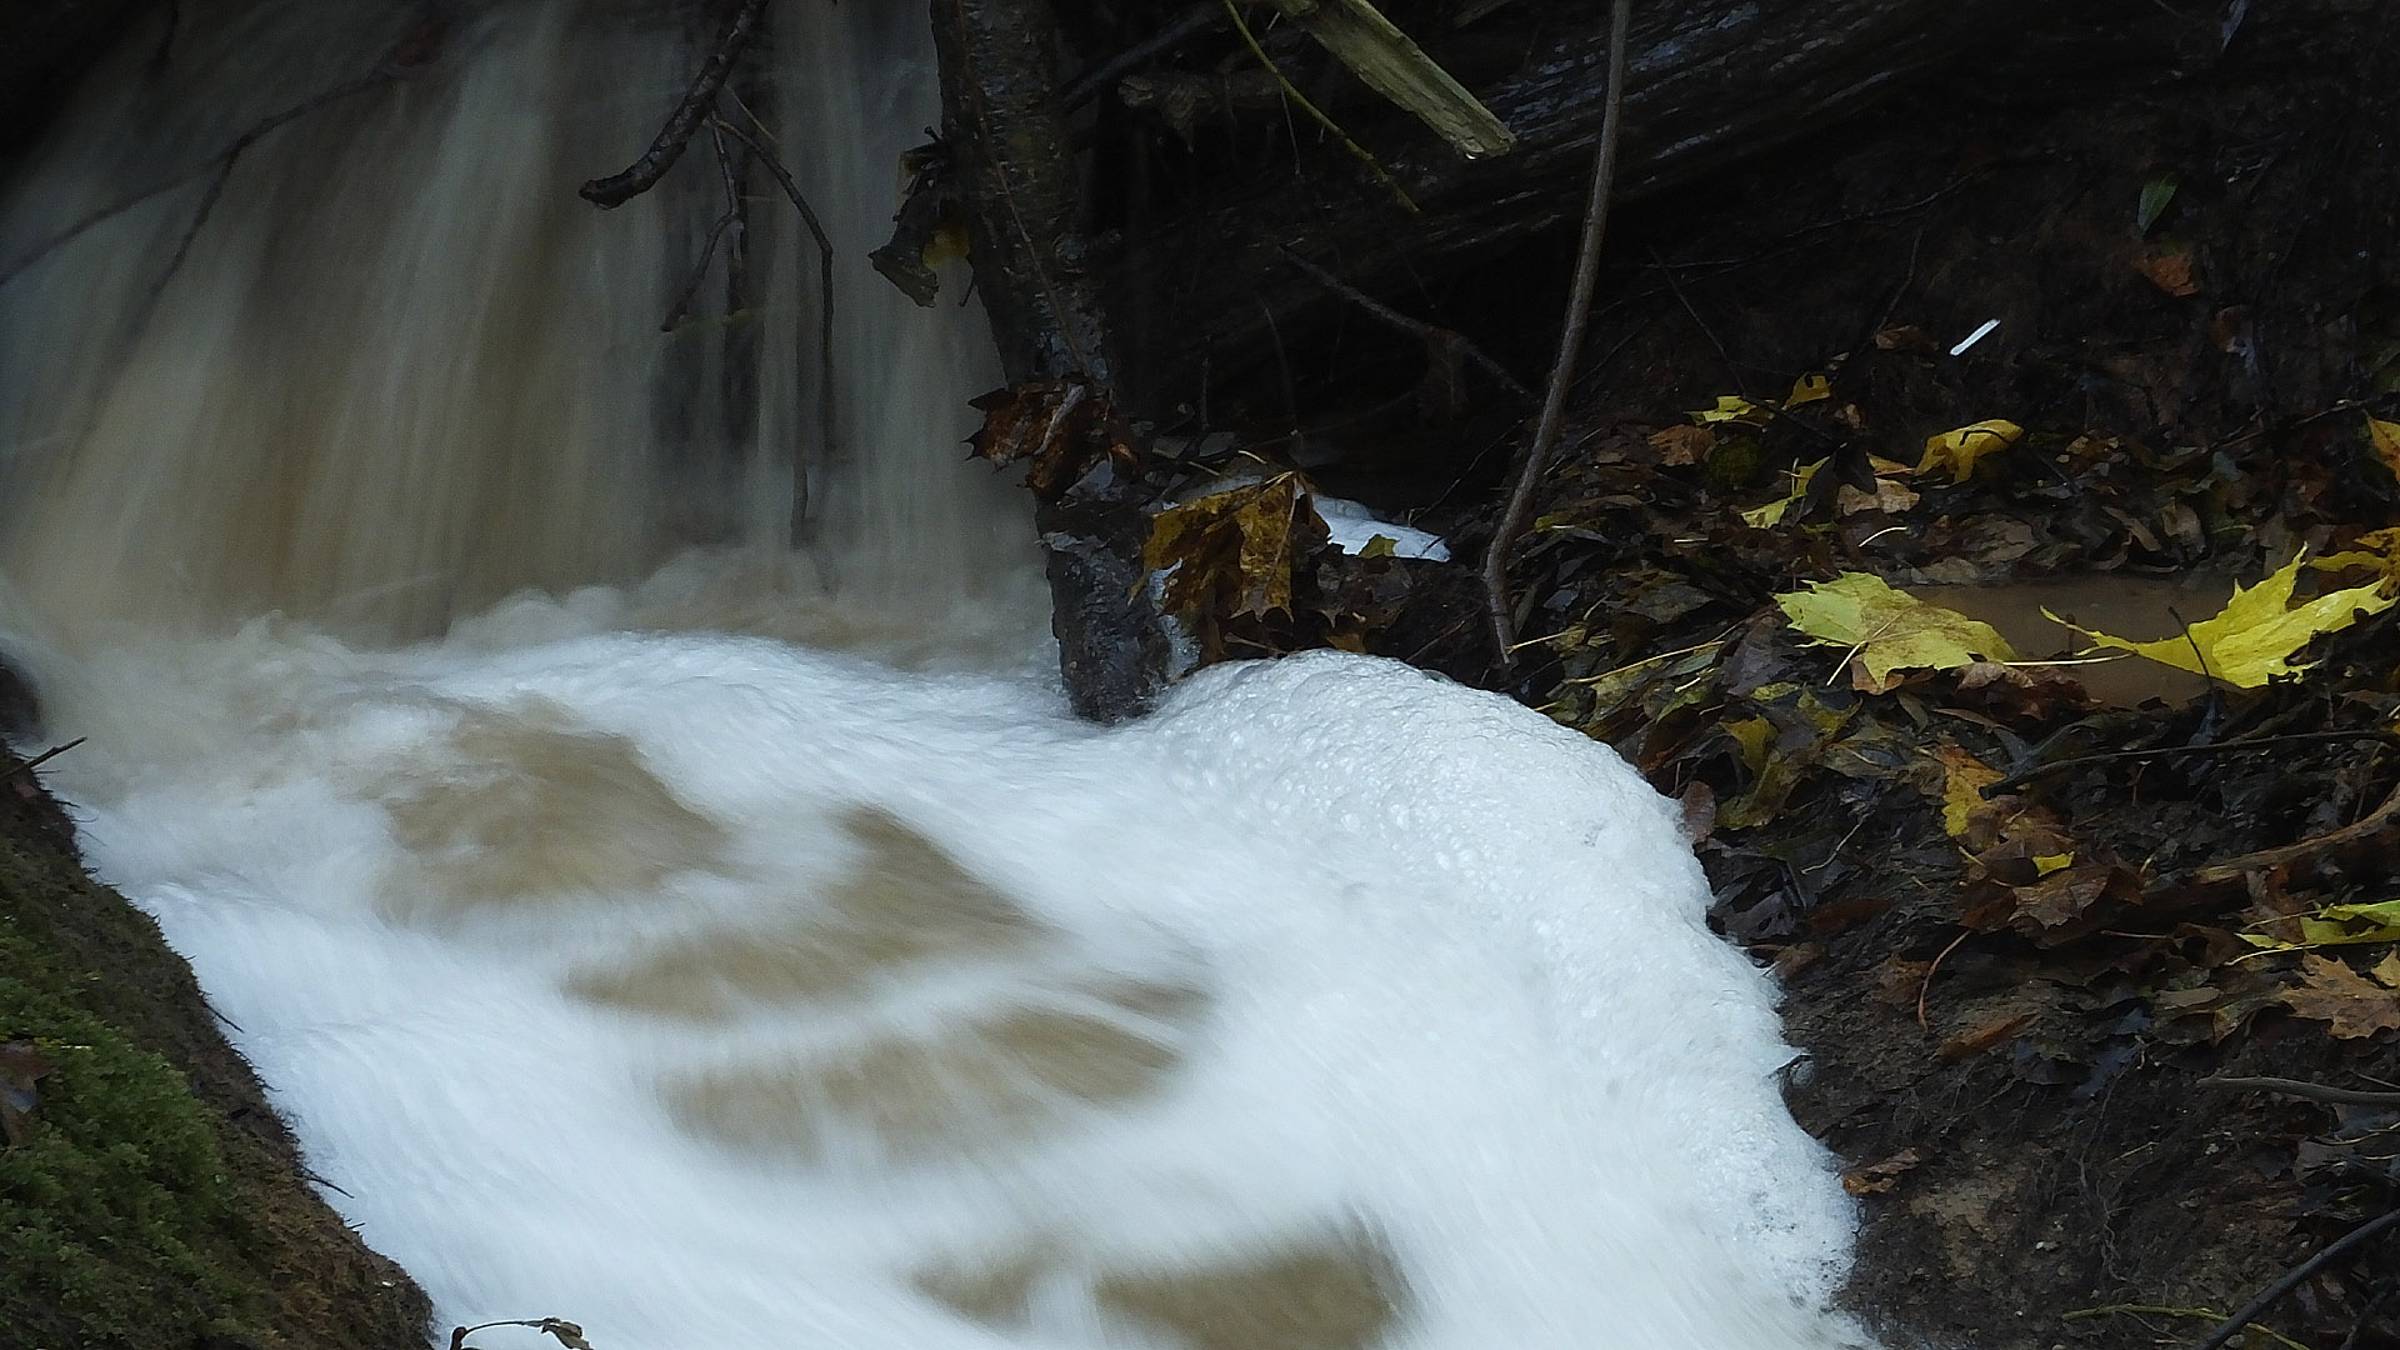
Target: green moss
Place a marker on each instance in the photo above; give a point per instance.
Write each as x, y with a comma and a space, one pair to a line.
157, 1204
115, 1214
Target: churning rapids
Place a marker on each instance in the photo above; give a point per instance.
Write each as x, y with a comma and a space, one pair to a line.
721, 945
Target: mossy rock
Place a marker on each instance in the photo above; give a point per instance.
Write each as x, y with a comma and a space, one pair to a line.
155, 1201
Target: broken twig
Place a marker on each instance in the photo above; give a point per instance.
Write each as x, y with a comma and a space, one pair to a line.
2366, 827
2024, 776
699, 102
2293, 1279
2325, 1093
1570, 344
43, 758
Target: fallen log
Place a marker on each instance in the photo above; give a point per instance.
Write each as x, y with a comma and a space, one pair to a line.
1712, 82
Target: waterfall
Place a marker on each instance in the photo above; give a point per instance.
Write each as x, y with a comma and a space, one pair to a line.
721, 942
348, 403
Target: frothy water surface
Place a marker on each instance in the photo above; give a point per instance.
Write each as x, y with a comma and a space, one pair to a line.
757, 954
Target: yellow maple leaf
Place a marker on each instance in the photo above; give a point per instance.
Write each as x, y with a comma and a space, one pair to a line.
2254, 638
1964, 778
2385, 437
1814, 388
1759, 518
1959, 450
2332, 926
1730, 408
1889, 630
2375, 551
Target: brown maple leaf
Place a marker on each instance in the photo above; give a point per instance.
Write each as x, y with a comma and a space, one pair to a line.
2332, 992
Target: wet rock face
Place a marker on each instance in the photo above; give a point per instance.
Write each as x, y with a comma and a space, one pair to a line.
20, 710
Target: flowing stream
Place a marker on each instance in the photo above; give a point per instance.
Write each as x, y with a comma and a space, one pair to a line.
723, 945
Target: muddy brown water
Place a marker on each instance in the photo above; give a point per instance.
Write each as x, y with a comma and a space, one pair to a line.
2141, 608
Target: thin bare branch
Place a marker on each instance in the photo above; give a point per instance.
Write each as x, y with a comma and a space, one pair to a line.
219, 163
825, 409
1570, 344
698, 105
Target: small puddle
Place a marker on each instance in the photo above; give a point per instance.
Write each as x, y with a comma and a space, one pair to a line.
2136, 607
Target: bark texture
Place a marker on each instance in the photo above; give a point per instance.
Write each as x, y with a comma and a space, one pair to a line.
1017, 173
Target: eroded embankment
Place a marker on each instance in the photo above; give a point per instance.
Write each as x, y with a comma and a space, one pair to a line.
149, 1195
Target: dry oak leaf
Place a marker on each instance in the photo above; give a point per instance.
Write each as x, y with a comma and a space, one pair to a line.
2332, 992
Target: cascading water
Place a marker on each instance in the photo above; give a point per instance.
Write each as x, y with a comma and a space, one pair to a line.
744, 948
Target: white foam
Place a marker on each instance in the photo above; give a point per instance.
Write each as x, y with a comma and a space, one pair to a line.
1459, 991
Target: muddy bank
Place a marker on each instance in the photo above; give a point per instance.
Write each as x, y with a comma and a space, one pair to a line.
150, 1198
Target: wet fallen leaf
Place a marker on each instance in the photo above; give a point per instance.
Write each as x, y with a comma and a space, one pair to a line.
1809, 389
1976, 1040
1876, 1178
1888, 630
1959, 450
2021, 693
2333, 926
2387, 970
2332, 992
2169, 269
1236, 554
2376, 551
2063, 895
1730, 408
1964, 778
1683, 445
2253, 639
1898, 979
2385, 437
1888, 497
21, 1067
1059, 428
1773, 512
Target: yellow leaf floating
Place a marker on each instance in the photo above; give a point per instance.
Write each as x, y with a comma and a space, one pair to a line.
1759, 518
1816, 388
1959, 450
2385, 437
1890, 630
2254, 638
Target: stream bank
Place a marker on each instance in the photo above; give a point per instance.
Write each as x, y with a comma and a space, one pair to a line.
150, 1197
